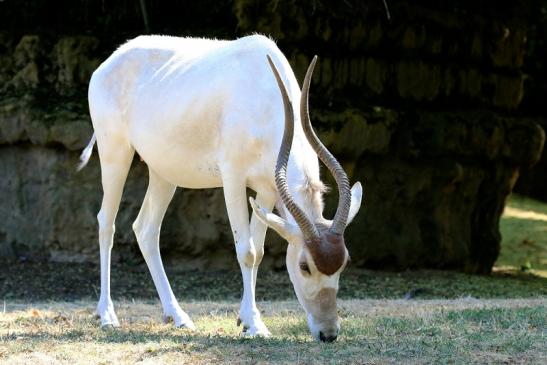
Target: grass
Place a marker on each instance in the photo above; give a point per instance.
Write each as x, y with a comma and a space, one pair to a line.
459, 331
409, 317
524, 230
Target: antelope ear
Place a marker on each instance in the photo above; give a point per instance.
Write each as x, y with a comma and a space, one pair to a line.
356, 195
275, 222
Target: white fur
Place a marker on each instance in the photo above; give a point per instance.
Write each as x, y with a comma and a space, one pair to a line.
86, 153
201, 113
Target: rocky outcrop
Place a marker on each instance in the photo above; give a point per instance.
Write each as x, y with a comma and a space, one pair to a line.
435, 179
430, 192
422, 109
434, 183
49, 213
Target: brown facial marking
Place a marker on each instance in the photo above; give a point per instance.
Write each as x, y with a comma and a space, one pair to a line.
328, 252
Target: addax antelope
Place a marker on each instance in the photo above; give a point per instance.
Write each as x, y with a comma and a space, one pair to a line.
207, 113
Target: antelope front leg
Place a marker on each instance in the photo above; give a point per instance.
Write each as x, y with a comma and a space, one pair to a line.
236, 203
258, 230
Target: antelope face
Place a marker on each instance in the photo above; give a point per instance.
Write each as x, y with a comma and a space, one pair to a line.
314, 272
314, 266
316, 254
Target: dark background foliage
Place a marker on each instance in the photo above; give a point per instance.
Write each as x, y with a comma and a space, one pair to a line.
438, 111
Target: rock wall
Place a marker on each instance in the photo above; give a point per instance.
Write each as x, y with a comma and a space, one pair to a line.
423, 109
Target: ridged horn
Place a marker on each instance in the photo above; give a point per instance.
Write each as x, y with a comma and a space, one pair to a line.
341, 217
306, 226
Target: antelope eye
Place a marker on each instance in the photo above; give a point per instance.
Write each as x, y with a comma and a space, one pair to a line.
304, 267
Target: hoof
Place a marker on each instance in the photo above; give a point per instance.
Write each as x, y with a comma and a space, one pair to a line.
257, 332
107, 315
108, 319
109, 325
257, 329
181, 321
187, 325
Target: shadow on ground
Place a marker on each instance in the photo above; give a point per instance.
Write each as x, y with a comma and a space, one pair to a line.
30, 281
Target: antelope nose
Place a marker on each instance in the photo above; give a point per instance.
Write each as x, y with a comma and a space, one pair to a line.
325, 338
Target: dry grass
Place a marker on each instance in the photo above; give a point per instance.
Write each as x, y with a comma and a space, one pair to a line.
374, 331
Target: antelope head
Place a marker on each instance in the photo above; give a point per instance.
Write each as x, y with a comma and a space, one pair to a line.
316, 254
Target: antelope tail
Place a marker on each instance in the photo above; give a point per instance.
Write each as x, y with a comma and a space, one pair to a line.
86, 153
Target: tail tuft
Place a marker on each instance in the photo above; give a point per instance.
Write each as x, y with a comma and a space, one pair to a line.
86, 153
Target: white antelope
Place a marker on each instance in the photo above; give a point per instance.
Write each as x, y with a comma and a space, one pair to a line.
207, 113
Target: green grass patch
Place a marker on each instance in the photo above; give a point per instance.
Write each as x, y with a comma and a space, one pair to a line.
524, 236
